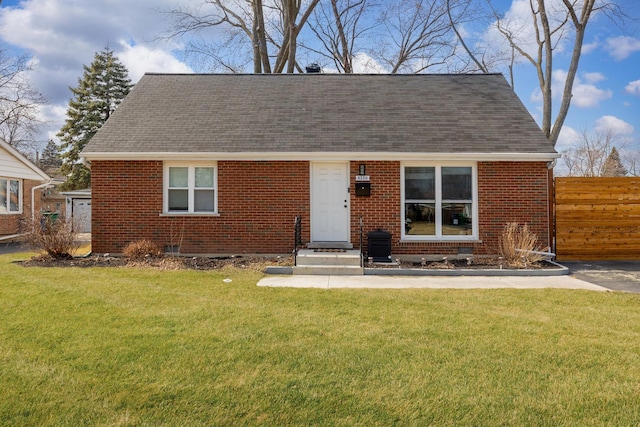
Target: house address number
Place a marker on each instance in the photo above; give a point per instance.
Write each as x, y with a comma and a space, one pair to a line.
363, 178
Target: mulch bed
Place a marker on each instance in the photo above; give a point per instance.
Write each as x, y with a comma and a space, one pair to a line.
256, 263
159, 262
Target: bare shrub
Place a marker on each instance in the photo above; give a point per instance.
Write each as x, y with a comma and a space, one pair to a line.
176, 236
141, 249
46, 233
519, 246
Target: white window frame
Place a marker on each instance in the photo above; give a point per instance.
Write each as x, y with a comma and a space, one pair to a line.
439, 237
191, 166
8, 201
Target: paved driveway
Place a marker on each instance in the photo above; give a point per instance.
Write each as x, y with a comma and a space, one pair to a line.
10, 248
614, 275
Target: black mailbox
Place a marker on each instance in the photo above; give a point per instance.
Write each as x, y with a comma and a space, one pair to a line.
363, 188
379, 245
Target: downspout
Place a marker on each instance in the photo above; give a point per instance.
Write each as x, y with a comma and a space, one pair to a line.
52, 181
552, 205
33, 196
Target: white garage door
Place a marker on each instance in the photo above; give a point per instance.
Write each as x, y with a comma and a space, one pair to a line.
82, 215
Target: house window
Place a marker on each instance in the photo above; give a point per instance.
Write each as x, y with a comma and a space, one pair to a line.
190, 188
439, 202
10, 196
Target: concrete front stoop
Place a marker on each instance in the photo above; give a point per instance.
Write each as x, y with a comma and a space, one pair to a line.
328, 262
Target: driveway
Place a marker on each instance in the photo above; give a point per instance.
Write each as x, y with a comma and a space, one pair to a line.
615, 275
11, 248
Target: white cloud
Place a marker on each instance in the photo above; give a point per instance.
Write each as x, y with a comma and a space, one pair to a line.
363, 63
590, 47
588, 96
568, 137
594, 77
614, 125
142, 59
62, 36
622, 47
585, 94
633, 88
54, 114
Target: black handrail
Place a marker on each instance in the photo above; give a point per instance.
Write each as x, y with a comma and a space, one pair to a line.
361, 249
297, 238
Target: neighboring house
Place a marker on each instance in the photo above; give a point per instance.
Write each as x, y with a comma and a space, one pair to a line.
78, 209
222, 164
53, 201
21, 183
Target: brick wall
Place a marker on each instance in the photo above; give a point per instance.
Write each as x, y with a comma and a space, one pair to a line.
258, 201
382, 208
513, 192
12, 223
507, 192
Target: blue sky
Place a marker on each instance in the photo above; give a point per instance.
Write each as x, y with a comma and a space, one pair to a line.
62, 35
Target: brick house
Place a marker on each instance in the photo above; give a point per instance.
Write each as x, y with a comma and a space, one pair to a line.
222, 164
21, 183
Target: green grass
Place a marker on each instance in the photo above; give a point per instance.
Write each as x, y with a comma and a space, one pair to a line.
118, 346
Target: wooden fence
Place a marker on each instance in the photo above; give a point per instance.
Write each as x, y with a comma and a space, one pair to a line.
597, 218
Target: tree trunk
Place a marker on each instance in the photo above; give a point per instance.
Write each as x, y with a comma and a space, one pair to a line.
580, 25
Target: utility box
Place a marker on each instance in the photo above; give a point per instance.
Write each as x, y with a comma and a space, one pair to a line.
379, 245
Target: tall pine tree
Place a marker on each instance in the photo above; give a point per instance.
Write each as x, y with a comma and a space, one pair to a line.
101, 89
50, 160
613, 165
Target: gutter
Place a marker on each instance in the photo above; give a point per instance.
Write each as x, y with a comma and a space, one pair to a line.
321, 156
12, 236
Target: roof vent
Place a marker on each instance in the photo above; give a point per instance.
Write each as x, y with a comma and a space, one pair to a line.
313, 68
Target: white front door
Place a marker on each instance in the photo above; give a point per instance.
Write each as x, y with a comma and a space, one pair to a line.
330, 202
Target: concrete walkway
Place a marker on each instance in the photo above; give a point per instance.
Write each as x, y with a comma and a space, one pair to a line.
435, 282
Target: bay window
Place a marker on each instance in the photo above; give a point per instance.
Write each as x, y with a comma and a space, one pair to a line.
10, 196
190, 188
438, 202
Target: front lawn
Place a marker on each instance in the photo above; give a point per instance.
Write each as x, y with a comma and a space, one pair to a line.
122, 346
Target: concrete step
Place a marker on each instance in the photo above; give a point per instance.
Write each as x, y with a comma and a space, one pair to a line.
311, 258
329, 270
330, 245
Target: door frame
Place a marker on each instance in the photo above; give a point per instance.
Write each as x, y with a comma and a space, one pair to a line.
347, 225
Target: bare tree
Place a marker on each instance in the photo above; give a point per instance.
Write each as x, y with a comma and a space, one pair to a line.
459, 13
414, 35
265, 26
339, 25
556, 24
19, 103
595, 154
632, 159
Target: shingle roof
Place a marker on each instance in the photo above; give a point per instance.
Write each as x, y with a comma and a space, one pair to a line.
320, 113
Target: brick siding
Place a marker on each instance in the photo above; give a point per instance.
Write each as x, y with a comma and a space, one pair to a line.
257, 203
13, 223
507, 192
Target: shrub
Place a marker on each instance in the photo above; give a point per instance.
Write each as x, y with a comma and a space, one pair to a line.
518, 245
46, 233
141, 249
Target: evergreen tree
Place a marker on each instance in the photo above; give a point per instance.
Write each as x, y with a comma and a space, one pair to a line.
613, 165
101, 89
50, 161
